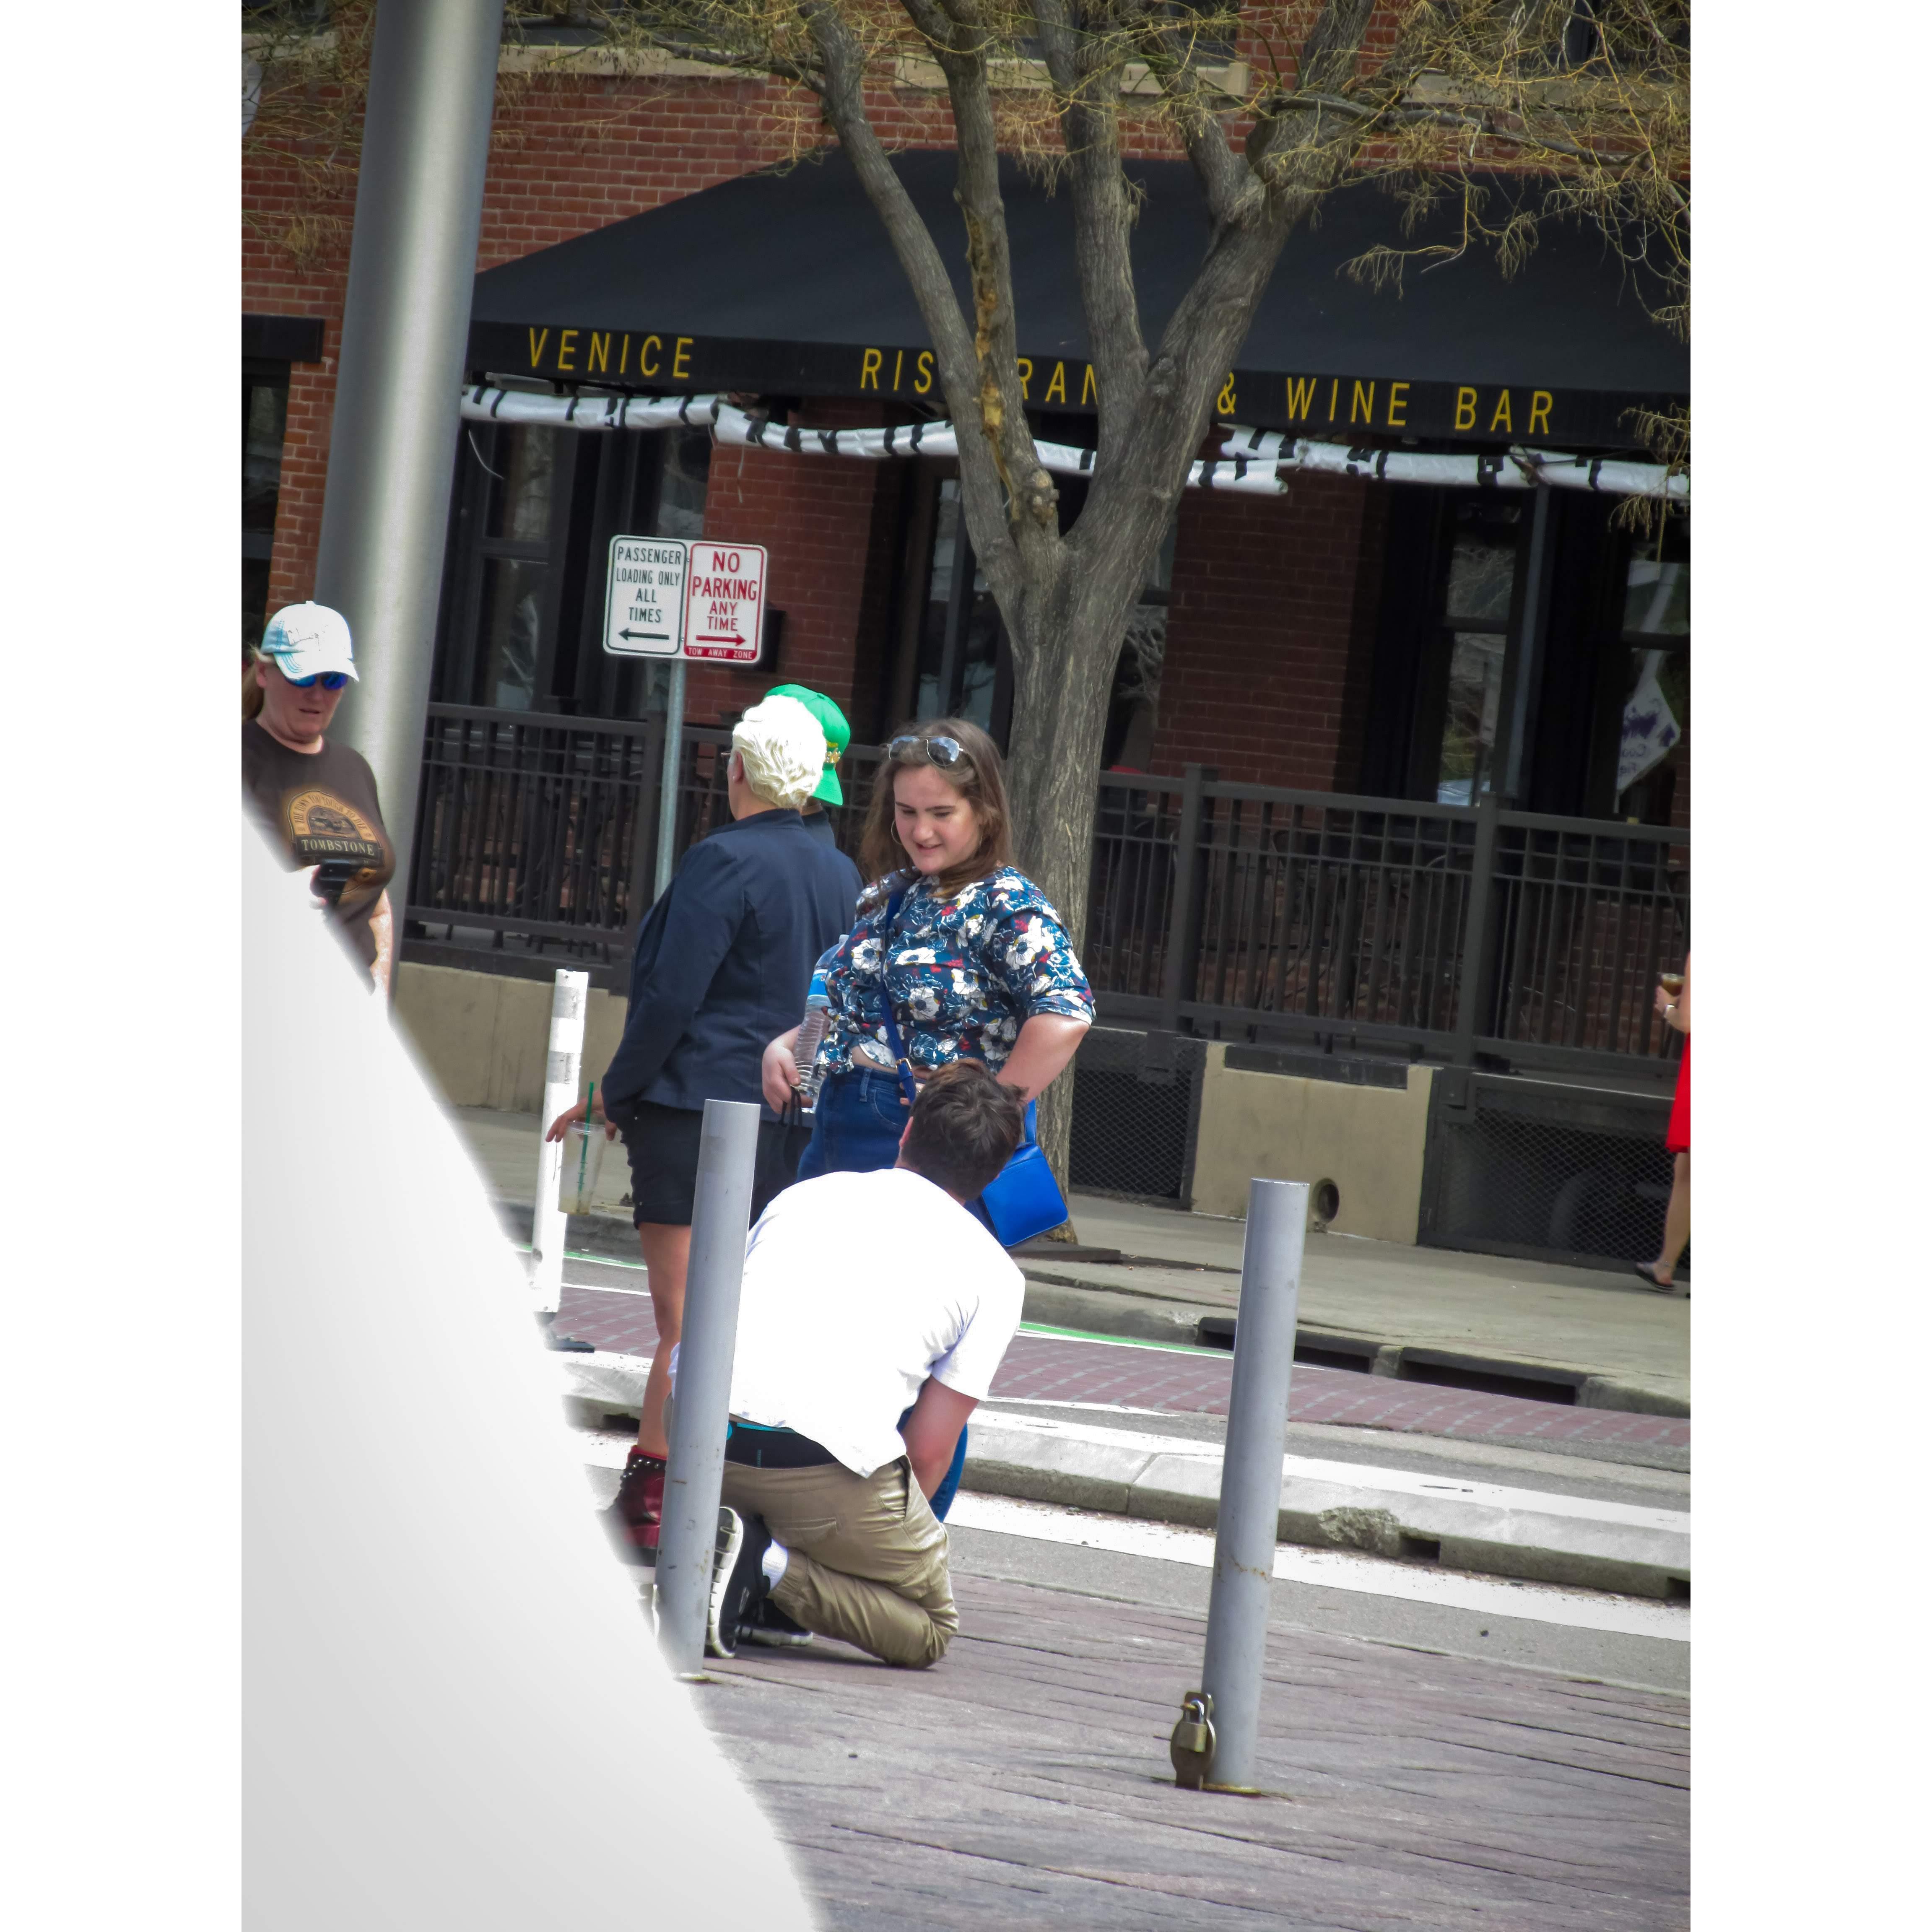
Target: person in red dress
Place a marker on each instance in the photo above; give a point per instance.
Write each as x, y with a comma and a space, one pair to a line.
1661, 1274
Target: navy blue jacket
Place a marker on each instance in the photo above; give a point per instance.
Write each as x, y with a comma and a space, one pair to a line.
724, 961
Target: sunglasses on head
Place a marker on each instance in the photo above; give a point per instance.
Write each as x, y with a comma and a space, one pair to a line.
946, 753
329, 680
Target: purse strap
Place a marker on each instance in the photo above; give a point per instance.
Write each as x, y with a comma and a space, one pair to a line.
907, 1084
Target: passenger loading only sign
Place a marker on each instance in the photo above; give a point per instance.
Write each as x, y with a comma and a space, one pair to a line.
644, 597
665, 596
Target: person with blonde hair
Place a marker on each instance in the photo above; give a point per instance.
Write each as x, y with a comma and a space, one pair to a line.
723, 960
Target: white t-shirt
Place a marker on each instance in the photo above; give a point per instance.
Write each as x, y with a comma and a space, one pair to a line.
857, 1287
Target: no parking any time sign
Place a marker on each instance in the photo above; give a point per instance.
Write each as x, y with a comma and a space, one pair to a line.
725, 602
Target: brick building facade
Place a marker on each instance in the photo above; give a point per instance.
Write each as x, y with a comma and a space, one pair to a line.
1282, 664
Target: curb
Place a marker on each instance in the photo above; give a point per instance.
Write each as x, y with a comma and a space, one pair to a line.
1487, 1529
1052, 1302
1059, 1304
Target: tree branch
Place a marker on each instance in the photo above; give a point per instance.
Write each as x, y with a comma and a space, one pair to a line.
844, 94
1085, 70
1011, 512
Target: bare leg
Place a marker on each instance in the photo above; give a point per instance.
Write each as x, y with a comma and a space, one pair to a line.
667, 1255
1676, 1219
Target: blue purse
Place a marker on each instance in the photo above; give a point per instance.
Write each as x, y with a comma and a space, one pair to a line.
1023, 1199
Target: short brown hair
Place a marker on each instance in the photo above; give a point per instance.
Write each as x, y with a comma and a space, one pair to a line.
964, 1128
978, 781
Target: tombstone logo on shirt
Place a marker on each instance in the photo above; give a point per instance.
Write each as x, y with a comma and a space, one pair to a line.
321, 826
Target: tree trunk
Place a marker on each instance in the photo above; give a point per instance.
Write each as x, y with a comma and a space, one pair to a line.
1062, 679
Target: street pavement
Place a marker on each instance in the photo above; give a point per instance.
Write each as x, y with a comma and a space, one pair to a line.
1623, 1347
1023, 1780
605, 1304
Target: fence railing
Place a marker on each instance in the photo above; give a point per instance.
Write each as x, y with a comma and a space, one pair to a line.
1438, 931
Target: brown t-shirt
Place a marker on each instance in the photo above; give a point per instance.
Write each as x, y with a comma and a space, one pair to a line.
319, 806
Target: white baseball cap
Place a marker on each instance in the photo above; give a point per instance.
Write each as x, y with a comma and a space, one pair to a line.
306, 640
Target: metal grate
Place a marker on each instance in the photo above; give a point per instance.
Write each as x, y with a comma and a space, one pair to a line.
1136, 1107
1581, 1178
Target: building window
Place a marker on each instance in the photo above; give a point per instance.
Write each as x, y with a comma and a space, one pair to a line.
265, 416
1472, 647
963, 669
1655, 645
532, 514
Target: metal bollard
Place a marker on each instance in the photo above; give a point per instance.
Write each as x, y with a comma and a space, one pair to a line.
549, 1225
720, 1215
1250, 1507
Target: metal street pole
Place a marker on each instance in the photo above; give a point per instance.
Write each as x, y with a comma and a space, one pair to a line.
673, 768
1248, 1519
721, 1213
399, 377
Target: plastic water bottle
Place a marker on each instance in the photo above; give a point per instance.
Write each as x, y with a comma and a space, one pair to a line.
811, 1031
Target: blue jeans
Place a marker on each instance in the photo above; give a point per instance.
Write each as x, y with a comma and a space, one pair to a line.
855, 1130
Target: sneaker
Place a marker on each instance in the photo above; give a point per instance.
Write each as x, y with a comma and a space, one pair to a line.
637, 1511
737, 1579
768, 1625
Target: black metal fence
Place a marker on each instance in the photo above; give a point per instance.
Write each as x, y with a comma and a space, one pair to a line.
1467, 934
1470, 934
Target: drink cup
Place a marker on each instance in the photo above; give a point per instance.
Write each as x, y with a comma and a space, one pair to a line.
582, 1164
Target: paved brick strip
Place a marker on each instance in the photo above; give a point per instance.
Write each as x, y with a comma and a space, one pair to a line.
1053, 1368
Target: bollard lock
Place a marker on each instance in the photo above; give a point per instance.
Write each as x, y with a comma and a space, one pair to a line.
1192, 1745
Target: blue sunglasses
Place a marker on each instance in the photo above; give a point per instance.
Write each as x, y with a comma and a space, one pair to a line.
329, 680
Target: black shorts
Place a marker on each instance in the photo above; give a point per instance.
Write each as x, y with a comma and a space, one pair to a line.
662, 1143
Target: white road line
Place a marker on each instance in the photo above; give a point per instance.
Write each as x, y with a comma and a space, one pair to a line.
1367, 1575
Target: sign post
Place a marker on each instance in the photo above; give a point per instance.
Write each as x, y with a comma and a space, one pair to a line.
664, 597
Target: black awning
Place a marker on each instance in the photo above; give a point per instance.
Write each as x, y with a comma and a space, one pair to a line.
784, 284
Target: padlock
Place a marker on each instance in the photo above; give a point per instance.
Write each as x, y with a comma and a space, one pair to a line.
1192, 1745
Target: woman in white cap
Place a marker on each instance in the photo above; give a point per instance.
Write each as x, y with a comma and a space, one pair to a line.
317, 801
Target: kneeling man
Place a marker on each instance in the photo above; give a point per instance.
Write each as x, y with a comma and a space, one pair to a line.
863, 1294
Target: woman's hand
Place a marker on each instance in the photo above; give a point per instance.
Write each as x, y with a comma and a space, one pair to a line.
1663, 1000
779, 1071
568, 1118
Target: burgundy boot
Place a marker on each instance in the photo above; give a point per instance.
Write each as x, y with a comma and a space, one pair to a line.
637, 1508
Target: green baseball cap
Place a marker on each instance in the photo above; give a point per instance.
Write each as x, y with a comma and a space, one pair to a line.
838, 735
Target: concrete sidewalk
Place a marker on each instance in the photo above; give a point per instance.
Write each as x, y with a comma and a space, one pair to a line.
1577, 1335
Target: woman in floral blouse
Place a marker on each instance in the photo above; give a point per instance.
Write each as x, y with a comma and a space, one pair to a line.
976, 962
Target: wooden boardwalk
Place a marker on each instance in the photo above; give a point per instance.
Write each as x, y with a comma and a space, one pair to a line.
1024, 1782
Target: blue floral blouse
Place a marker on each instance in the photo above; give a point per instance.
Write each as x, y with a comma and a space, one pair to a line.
965, 973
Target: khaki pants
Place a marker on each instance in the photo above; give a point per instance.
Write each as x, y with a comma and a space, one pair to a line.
866, 1555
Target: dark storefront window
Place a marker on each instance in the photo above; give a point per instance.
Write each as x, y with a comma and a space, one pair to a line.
963, 671
1473, 647
1656, 644
265, 415
532, 515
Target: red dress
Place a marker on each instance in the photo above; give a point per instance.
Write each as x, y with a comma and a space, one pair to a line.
1677, 1140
